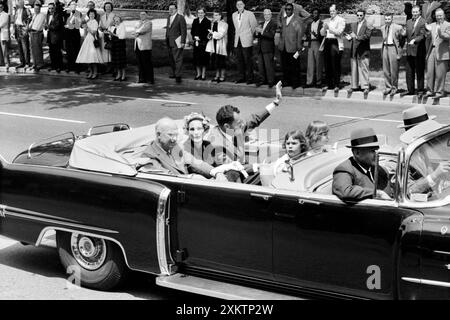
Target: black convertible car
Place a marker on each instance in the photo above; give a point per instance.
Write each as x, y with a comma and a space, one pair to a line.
289, 238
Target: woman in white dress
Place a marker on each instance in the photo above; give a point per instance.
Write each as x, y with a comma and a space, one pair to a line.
106, 21
89, 53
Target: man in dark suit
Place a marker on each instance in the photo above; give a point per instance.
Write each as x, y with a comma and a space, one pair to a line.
353, 180
290, 46
176, 32
360, 53
228, 137
415, 52
265, 33
55, 27
21, 18
315, 56
164, 154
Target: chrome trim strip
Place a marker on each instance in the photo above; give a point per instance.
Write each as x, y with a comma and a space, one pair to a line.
441, 252
26, 214
427, 282
161, 232
46, 229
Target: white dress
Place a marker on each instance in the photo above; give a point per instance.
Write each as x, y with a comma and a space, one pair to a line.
88, 52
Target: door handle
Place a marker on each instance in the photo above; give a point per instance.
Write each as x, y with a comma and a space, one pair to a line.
264, 197
304, 201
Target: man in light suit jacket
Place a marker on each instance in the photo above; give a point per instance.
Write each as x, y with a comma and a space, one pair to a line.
415, 52
290, 47
265, 48
438, 55
143, 48
166, 155
391, 52
245, 25
4, 36
360, 53
176, 33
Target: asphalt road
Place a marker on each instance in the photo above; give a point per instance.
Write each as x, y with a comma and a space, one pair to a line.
34, 107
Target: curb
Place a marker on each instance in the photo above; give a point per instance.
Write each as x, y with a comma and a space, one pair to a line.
265, 91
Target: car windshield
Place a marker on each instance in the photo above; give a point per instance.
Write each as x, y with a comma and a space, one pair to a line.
429, 170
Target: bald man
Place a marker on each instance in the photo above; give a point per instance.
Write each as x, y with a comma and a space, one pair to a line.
165, 154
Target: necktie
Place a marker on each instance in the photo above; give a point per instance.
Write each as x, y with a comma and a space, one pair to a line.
369, 174
387, 34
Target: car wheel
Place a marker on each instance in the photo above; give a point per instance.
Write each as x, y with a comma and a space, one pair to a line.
93, 262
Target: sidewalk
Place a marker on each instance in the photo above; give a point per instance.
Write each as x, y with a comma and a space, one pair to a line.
188, 82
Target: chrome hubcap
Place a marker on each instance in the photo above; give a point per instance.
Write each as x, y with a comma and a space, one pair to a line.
89, 252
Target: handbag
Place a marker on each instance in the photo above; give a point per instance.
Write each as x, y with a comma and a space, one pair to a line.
96, 41
108, 44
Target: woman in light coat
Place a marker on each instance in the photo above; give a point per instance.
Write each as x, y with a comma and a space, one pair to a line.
217, 45
106, 21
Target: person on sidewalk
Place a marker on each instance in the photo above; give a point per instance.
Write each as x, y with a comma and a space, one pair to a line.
333, 44
314, 71
73, 37
36, 28
360, 53
55, 34
175, 40
438, 56
265, 33
4, 37
143, 48
245, 25
391, 53
90, 51
21, 19
106, 21
217, 45
290, 47
415, 52
299, 12
199, 33
118, 34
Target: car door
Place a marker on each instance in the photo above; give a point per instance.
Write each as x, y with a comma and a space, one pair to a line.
322, 243
225, 227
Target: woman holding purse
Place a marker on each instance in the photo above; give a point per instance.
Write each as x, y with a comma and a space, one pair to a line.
90, 50
117, 32
199, 33
217, 45
106, 20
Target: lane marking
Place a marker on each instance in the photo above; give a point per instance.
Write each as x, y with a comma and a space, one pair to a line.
361, 118
39, 117
137, 98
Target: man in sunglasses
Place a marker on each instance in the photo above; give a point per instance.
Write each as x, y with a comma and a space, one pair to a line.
360, 53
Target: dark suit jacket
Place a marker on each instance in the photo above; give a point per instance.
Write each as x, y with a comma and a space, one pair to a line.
418, 34
177, 29
291, 37
266, 42
360, 46
180, 162
318, 35
350, 183
226, 151
201, 29
55, 28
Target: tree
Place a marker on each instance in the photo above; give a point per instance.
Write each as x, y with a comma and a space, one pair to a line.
183, 7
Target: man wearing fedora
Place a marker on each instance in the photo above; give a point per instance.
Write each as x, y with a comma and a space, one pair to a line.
353, 180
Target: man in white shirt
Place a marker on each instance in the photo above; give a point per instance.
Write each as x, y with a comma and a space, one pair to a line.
245, 26
333, 30
4, 36
36, 28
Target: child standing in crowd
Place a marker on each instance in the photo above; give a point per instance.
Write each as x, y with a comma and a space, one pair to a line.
90, 52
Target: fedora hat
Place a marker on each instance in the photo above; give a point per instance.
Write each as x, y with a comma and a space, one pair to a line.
414, 116
363, 138
420, 130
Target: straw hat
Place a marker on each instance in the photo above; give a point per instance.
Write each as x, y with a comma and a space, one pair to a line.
363, 138
413, 116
